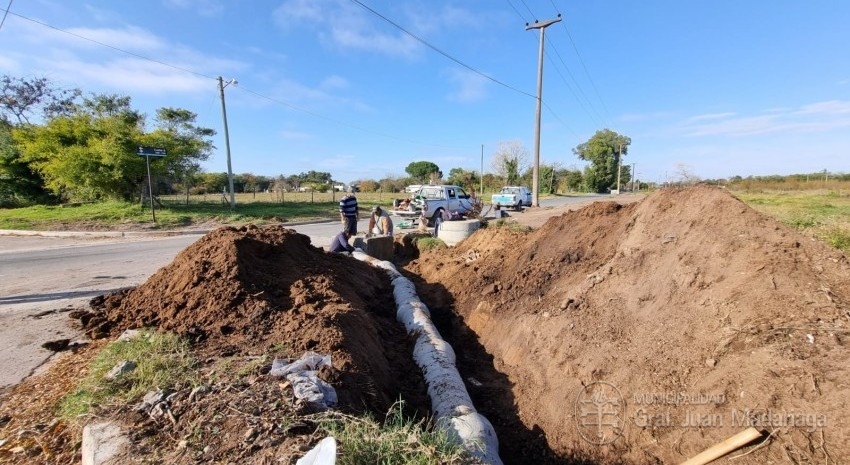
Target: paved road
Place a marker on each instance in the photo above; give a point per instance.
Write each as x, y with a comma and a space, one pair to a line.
43, 277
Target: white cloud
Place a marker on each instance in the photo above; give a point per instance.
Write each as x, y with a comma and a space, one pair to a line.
202, 7
832, 107
334, 82
344, 25
292, 135
814, 117
471, 87
710, 116
131, 38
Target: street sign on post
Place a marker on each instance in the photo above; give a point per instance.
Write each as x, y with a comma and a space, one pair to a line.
149, 152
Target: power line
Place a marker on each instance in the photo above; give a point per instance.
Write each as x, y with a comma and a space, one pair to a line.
115, 48
6, 13
432, 47
558, 70
581, 60
271, 99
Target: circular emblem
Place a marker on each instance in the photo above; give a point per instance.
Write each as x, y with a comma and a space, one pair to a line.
599, 413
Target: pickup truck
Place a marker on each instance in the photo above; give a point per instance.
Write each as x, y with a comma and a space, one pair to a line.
515, 197
431, 201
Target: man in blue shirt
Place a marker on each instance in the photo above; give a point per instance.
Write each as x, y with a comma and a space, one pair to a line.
348, 212
340, 243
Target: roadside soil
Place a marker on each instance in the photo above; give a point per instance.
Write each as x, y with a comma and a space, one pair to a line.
686, 304
696, 314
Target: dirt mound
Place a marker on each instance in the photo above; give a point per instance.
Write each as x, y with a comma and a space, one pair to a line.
701, 314
243, 291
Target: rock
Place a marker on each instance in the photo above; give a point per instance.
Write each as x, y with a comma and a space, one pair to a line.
710, 363
124, 366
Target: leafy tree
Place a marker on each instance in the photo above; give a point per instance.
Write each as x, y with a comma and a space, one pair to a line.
467, 179
368, 185
315, 177
19, 184
603, 152
572, 180
91, 153
21, 99
186, 144
423, 171
393, 184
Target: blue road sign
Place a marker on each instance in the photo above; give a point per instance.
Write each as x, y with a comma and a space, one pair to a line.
151, 151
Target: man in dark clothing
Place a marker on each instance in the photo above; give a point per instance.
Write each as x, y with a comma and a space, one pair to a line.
340, 243
348, 212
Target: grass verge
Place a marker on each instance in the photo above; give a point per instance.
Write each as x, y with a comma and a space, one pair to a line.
398, 440
824, 214
162, 361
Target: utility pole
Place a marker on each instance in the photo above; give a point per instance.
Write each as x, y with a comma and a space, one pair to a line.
633, 173
619, 167
535, 189
221, 86
481, 191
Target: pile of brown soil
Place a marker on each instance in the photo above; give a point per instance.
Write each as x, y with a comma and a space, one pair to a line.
687, 307
242, 295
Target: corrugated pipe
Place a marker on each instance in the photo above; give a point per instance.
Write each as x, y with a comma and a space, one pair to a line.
450, 401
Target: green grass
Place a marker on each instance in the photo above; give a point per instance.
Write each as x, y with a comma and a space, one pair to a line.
398, 440
429, 243
162, 361
176, 211
824, 214
511, 225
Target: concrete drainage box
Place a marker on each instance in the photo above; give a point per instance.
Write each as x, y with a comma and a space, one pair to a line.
380, 247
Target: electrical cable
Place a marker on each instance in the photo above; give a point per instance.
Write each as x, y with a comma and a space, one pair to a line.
6, 13
432, 47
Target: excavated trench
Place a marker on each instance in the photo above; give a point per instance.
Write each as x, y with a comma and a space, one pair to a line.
693, 314
687, 295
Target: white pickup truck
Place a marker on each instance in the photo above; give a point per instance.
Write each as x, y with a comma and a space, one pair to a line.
431, 201
515, 197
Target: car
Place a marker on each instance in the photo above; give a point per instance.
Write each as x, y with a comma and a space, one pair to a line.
514, 197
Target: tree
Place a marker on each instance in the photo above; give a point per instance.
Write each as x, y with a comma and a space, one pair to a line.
509, 160
19, 184
603, 152
368, 185
91, 153
467, 179
423, 171
572, 179
21, 98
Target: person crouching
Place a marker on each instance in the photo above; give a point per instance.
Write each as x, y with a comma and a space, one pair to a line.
380, 223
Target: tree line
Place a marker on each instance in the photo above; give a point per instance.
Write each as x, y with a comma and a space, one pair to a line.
58, 145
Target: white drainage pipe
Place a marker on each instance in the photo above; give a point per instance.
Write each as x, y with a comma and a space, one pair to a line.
450, 401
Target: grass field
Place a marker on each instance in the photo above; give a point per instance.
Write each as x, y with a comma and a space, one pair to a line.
822, 213
177, 211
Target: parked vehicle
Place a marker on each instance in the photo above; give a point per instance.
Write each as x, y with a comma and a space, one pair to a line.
515, 197
431, 201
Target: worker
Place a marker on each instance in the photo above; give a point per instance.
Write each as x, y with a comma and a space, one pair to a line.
380, 223
340, 242
348, 212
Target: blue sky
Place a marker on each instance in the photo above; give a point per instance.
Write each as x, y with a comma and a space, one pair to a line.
720, 88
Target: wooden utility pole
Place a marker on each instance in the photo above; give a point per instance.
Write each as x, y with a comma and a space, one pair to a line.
535, 174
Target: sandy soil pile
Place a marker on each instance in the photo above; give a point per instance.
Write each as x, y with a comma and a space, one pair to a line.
239, 294
689, 306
